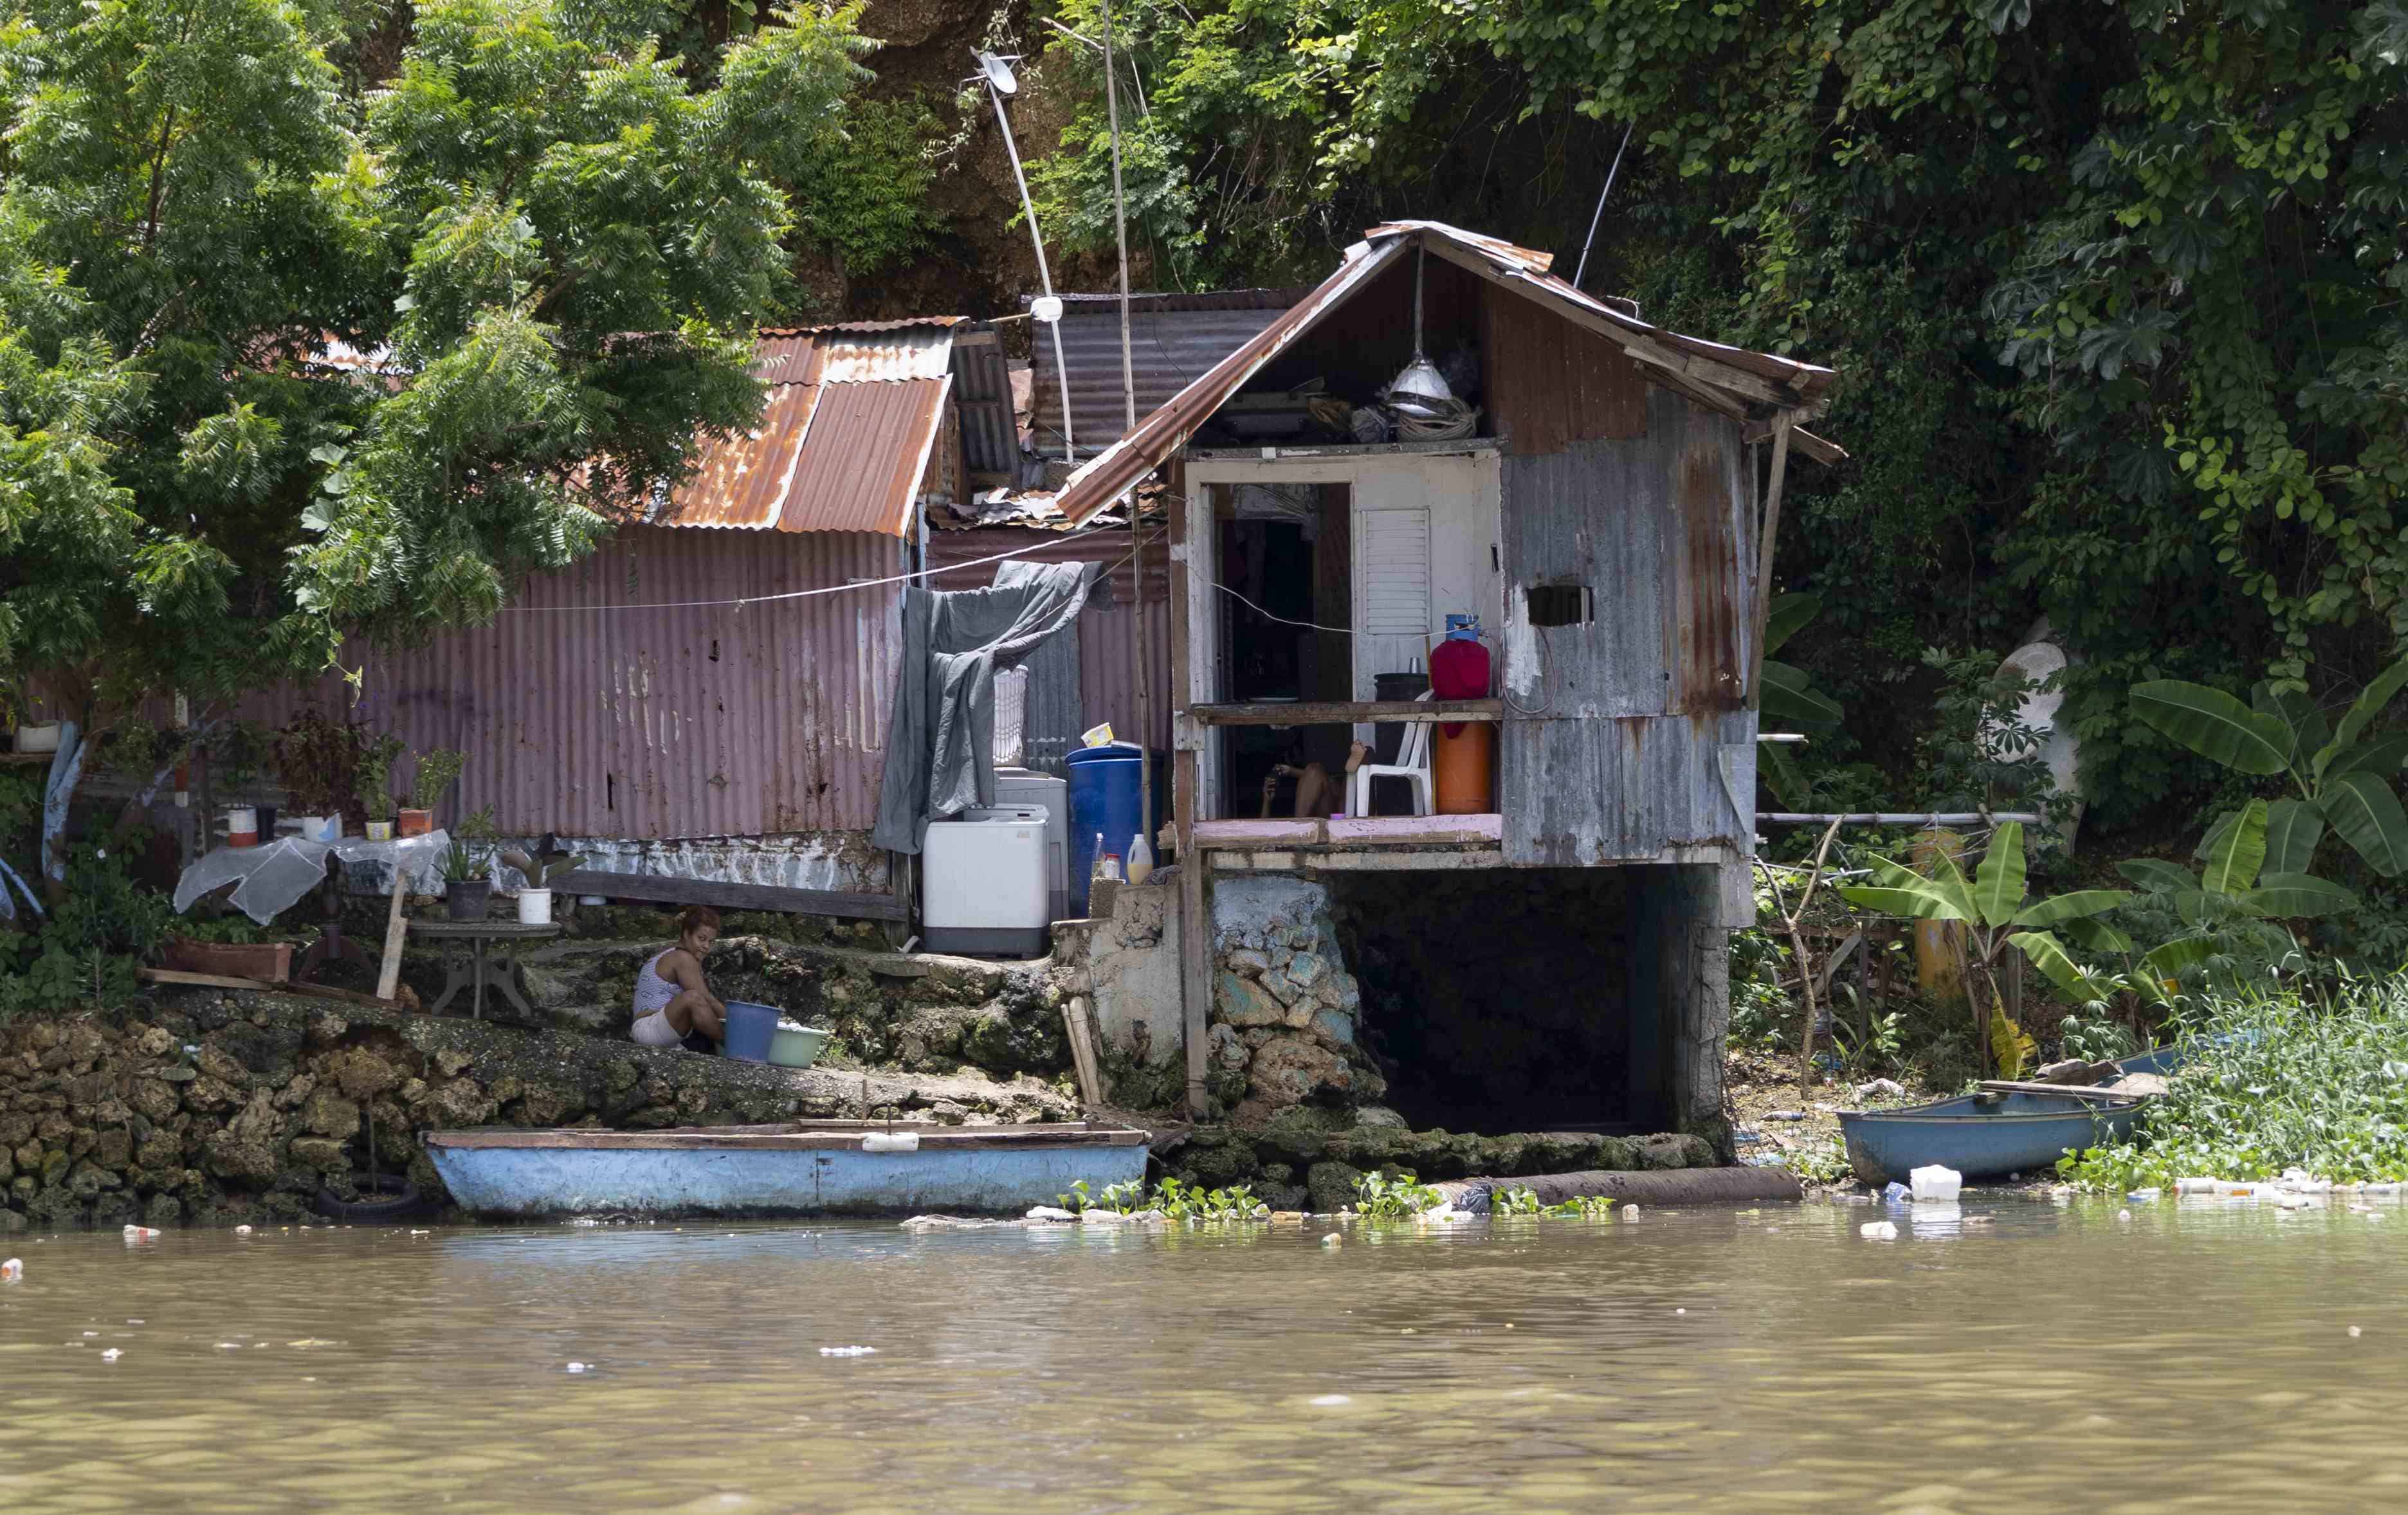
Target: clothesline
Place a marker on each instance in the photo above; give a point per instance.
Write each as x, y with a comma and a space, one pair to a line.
830, 588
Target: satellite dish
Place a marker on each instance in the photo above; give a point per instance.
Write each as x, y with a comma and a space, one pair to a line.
999, 77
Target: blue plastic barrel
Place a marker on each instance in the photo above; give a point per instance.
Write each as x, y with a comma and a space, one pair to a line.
1104, 788
750, 1028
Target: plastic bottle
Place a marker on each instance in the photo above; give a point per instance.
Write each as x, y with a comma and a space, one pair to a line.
1936, 1183
1140, 860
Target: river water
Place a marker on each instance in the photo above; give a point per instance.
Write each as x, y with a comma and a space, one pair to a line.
2021, 1357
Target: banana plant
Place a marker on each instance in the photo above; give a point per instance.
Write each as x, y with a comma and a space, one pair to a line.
1996, 918
2252, 874
1789, 698
2343, 775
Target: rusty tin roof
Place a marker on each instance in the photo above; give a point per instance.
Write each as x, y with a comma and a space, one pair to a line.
844, 435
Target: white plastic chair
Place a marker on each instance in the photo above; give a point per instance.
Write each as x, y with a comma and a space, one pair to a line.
1413, 766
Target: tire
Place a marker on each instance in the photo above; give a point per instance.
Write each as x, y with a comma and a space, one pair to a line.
396, 1199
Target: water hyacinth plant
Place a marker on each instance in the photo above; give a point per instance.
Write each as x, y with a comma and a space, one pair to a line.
2273, 1080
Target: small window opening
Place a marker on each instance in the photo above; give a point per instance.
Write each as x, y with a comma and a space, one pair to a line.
1562, 604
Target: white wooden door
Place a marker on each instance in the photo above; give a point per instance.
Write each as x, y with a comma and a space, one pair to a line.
1426, 547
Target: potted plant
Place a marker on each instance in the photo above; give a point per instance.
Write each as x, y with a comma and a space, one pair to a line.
468, 886
435, 770
534, 900
237, 752
319, 761
231, 946
376, 783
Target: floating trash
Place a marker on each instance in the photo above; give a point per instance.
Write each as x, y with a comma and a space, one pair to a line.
11, 1270
1878, 1231
112, 1354
847, 1352
577, 1367
1330, 1401
1332, 1239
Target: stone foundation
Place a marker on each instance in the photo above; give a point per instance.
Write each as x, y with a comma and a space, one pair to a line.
215, 1109
1284, 1008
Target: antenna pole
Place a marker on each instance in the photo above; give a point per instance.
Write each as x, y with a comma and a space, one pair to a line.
1128, 424
1044, 274
1599, 216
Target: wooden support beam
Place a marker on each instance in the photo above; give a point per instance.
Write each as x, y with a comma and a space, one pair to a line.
220, 980
661, 888
1770, 534
1345, 712
1194, 946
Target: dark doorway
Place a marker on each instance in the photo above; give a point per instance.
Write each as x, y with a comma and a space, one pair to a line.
1500, 1000
1285, 566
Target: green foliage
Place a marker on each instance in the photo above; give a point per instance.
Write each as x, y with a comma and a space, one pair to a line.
437, 769
1393, 1196
99, 929
2343, 773
318, 761
2270, 1081
374, 777
1175, 1200
1518, 1199
1584, 1208
549, 239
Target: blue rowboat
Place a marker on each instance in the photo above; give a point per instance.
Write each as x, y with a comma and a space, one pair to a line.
818, 1167
1981, 1135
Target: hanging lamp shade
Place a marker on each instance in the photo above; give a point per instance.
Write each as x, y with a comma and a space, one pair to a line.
1419, 389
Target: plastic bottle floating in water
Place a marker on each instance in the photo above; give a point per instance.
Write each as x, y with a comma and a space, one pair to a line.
11, 1270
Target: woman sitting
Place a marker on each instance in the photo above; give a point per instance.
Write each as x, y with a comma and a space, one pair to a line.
674, 1005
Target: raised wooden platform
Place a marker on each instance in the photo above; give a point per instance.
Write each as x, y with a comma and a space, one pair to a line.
1355, 842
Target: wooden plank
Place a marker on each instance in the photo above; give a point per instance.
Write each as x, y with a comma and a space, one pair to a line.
396, 926
2010, 1086
661, 888
1251, 833
1414, 830
220, 980
1082, 1048
1195, 948
1346, 712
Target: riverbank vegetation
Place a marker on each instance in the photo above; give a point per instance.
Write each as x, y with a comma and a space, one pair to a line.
2273, 1080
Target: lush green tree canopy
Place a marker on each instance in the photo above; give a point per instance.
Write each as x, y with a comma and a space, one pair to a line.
286, 353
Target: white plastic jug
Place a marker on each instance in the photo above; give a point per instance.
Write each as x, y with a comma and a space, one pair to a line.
534, 907
1936, 1184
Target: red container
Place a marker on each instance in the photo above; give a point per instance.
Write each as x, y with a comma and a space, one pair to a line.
266, 962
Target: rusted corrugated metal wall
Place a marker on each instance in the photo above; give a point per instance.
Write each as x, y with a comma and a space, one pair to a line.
1168, 348
1107, 669
1551, 383
659, 723
1615, 750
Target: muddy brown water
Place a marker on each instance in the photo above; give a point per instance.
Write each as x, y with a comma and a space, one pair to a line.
2023, 1357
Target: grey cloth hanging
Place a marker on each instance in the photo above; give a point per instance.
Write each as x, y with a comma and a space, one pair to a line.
940, 742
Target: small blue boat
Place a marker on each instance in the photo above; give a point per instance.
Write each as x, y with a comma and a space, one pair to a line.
1982, 1136
817, 1167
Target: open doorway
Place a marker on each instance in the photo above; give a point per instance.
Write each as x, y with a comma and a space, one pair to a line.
1285, 559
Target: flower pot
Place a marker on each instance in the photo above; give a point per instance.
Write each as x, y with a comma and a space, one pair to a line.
41, 738
266, 962
243, 826
415, 822
380, 831
466, 899
534, 907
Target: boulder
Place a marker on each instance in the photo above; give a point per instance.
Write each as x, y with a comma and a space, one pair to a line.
1244, 1002
322, 1153
1228, 1051
327, 1113
153, 1098
1334, 1028
460, 1103
1290, 1070
1332, 1185
359, 1073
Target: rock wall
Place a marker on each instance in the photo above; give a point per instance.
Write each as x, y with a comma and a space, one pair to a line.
1284, 1008
215, 1109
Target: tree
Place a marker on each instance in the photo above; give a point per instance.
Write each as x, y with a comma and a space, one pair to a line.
284, 358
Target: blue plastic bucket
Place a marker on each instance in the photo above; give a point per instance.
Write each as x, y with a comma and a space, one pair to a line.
750, 1027
1103, 798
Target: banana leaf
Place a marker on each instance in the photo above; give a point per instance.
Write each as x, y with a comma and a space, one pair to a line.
2367, 814
2215, 725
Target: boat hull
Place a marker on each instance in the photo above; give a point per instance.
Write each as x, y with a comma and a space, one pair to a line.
1980, 1139
625, 1173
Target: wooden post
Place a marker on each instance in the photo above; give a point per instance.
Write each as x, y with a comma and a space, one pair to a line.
396, 925
1082, 1048
1195, 945
1770, 532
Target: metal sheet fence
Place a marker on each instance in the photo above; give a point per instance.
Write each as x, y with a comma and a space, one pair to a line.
649, 723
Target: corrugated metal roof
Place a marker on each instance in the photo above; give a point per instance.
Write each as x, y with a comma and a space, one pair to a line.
1724, 378
844, 435
859, 467
1168, 348
982, 397
1259, 299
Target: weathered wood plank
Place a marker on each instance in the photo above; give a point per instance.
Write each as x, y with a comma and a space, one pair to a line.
220, 980
660, 889
1346, 712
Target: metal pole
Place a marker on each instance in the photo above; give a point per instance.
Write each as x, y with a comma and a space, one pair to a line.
1599, 216
1044, 274
1128, 424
